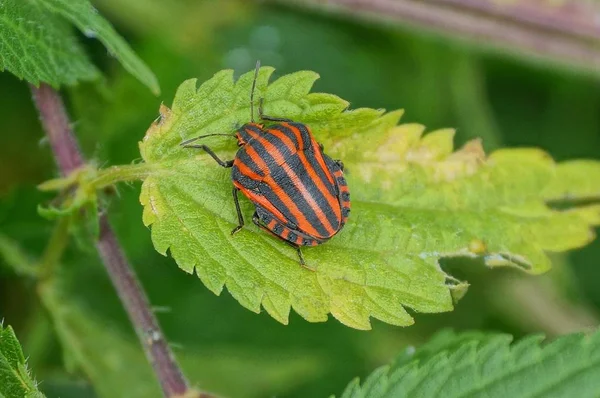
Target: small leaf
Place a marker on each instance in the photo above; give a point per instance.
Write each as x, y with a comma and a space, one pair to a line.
38, 46
479, 365
414, 201
15, 258
93, 25
37, 43
77, 199
52, 213
15, 378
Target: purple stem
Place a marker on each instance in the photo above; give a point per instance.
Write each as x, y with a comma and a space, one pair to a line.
66, 151
569, 33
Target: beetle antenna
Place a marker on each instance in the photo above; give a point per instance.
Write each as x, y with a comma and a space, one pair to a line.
252, 91
184, 143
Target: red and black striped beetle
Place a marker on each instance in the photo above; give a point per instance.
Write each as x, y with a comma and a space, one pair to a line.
300, 194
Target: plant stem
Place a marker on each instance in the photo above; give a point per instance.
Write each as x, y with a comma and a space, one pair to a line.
58, 128
66, 151
114, 174
138, 307
568, 33
54, 249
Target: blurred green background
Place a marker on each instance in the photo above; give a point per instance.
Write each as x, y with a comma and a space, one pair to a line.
222, 346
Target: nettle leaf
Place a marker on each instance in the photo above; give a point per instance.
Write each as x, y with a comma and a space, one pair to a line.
478, 365
15, 378
414, 201
37, 42
83, 15
40, 47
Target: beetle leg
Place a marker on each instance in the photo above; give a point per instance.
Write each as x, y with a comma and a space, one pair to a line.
301, 258
340, 164
256, 220
269, 118
238, 210
228, 163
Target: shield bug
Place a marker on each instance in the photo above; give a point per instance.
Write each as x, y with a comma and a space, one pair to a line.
299, 193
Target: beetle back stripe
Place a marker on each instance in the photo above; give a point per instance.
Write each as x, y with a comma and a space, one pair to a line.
279, 198
249, 171
326, 205
244, 176
324, 173
251, 166
313, 176
302, 133
295, 208
281, 178
251, 131
320, 156
291, 140
344, 193
259, 200
315, 156
290, 176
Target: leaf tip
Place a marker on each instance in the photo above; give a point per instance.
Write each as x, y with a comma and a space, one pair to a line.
160, 123
154, 86
440, 142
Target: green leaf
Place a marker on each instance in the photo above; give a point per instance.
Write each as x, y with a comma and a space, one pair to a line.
15, 379
37, 43
83, 15
414, 201
479, 365
38, 46
15, 258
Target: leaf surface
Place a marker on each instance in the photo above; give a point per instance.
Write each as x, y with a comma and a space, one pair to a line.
414, 201
479, 365
15, 378
38, 44
83, 15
